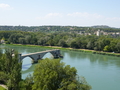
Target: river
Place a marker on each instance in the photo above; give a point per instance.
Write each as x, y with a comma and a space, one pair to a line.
102, 72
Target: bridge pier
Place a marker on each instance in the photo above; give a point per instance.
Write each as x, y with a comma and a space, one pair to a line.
33, 61
19, 57
57, 56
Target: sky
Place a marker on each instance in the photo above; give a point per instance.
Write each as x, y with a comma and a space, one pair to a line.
60, 12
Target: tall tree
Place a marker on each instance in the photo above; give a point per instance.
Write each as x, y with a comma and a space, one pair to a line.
12, 68
62, 43
118, 47
55, 75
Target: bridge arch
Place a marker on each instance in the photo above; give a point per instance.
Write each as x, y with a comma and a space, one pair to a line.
29, 57
48, 55
39, 55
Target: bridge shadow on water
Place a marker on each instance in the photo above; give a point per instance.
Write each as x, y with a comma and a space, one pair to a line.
26, 65
27, 68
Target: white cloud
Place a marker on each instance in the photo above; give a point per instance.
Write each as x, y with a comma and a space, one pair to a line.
50, 15
78, 15
54, 15
79, 19
89, 19
5, 6
84, 15
113, 19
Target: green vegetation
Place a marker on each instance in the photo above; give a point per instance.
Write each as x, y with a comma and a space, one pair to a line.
1, 88
48, 75
55, 75
63, 39
10, 70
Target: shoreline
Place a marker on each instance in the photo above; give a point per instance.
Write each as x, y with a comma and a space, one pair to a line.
72, 49
4, 86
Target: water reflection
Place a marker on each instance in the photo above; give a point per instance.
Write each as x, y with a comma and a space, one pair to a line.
25, 66
31, 69
94, 59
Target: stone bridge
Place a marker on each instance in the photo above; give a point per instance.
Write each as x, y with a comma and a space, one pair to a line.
39, 55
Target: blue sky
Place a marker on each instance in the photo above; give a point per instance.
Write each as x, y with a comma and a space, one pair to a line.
60, 12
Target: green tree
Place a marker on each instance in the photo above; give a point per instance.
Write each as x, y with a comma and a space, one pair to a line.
14, 38
27, 83
62, 43
3, 77
55, 75
113, 45
11, 68
28, 39
118, 47
21, 40
107, 48
101, 43
90, 45
74, 44
50, 42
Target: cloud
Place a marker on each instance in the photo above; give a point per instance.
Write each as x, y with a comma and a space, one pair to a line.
5, 6
84, 15
50, 15
75, 15
113, 18
54, 15
79, 19
89, 19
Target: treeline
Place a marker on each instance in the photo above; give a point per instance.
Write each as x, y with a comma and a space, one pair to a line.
52, 29
73, 40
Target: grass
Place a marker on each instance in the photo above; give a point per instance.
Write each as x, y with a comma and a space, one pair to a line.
1, 88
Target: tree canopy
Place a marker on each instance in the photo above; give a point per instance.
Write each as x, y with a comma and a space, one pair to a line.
55, 75
63, 39
10, 69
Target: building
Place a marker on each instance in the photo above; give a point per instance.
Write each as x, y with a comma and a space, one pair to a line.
98, 33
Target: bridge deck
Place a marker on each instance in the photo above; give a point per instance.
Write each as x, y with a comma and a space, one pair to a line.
40, 52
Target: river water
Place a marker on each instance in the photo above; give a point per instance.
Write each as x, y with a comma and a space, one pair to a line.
101, 72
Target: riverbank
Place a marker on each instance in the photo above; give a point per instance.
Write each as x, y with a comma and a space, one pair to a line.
72, 49
3, 87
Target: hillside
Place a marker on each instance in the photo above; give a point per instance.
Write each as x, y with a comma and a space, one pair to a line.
52, 29
101, 26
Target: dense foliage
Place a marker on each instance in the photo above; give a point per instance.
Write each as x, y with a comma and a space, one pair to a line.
10, 70
63, 39
55, 75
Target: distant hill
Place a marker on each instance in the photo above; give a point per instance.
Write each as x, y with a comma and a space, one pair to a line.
101, 26
53, 29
